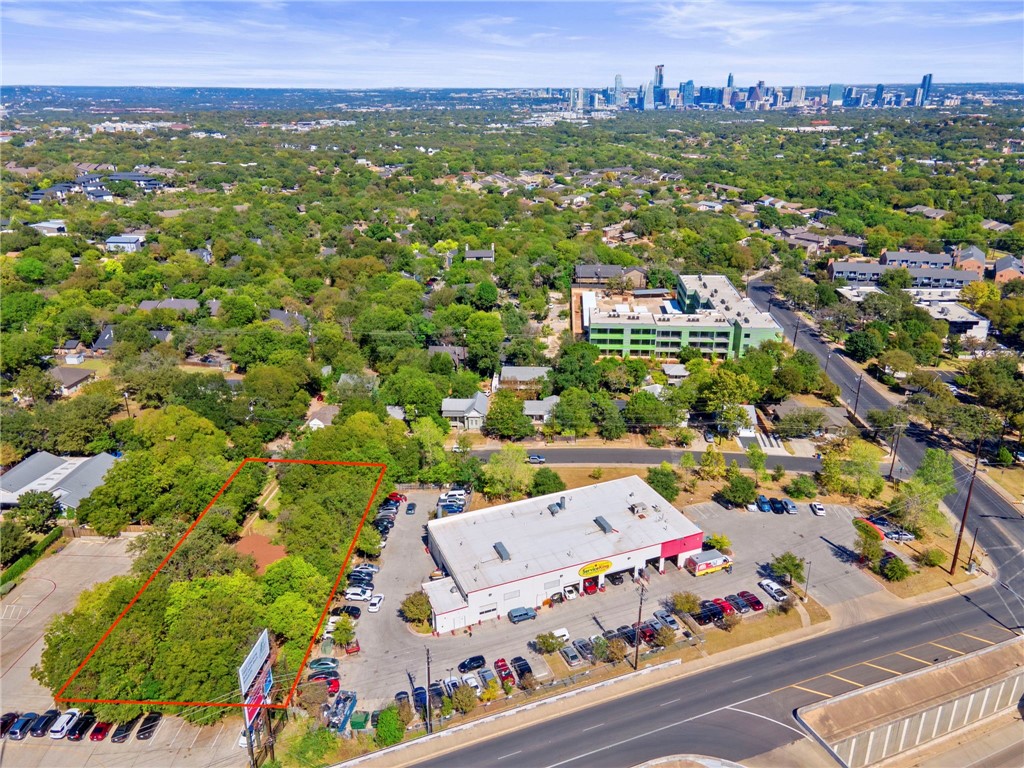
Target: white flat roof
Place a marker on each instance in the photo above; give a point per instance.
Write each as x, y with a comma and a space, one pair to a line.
538, 542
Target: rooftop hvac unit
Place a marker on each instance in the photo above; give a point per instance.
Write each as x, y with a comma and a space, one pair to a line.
502, 552
554, 509
603, 524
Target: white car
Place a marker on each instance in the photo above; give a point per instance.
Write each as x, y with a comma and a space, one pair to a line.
63, 724
358, 594
667, 619
773, 589
375, 603
366, 568
471, 681
818, 509
571, 593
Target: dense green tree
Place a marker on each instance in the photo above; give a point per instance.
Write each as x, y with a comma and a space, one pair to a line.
546, 481
505, 417
14, 541
664, 480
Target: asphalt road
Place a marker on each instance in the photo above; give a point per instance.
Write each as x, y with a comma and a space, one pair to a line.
652, 456
716, 712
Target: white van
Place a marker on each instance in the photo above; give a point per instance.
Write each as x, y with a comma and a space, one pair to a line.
562, 634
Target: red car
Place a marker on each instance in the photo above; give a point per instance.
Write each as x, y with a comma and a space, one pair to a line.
751, 599
646, 632
398, 497
504, 673
725, 605
352, 647
590, 586
333, 686
99, 733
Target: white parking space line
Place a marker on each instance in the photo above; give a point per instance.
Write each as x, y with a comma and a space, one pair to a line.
510, 754
592, 727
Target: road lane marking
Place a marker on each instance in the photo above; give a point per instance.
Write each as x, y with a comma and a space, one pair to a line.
741, 679
591, 727
510, 754
769, 719
877, 666
946, 648
979, 639
913, 658
666, 703
810, 690
845, 680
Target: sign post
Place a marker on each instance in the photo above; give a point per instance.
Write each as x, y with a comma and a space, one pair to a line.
255, 680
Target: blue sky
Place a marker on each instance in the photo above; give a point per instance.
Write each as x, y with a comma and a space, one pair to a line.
479, 44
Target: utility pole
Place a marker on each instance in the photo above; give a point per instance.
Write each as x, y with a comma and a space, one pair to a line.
856, 401
970, 557
127, 409
828, 359
967, 506
807, 582
642, 590
429, 725
895, 447
796, 330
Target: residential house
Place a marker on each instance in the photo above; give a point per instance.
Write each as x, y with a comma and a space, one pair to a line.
160, 335
70, 380
540, 411
961, 320
288, 319
125, 243
366, 382
104, 341
50, 227
175, 305
995, 226
853, 242
675, 373
859, 273
521, 377
1006, 269
929, 213
395, 412
750, 430
69, 347
69, 479
600, 274
479, 255
835, 419
322, 417
465, 413
458, 355
710, 205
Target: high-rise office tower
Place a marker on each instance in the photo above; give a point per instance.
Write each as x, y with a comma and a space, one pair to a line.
686, 89
798, 95
835, 95
918, 98
926, 87
659, 76
618, 91
879, 95
730, 82
646, 97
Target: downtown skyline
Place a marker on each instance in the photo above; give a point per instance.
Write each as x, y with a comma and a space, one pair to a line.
505, 45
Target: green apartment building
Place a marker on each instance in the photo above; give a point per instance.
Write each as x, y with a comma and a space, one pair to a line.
706, 313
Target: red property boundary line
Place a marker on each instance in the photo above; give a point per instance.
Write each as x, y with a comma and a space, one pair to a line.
295, 683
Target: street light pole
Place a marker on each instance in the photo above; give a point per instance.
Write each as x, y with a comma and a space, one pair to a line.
127, 409
895, 447
429, 724
967, 506
807, 582
642, 590
828, 359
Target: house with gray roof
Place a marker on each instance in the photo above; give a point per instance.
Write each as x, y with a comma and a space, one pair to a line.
105, 340
322, 417
69, 479
70, 380
521, 377
288, 319
125, 243
858, 273
466, 412
458, 355
600, 274
175, 305
479, 255
1007, 268
540, 411
916, 259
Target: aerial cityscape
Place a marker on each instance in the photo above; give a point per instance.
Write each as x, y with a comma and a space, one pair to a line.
511, 384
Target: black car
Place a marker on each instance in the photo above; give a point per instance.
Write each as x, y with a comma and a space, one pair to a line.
419, 698
148, 727
326, 674
78, 731
401, 696
352, 611
472, 664
617, 579
717, 614
630, 635
410, 508
777, 506
521, 666
124, 730
362, 577
6, 722
41, 725
703, 618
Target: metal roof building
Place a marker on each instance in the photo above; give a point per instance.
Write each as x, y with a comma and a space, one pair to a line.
520, 554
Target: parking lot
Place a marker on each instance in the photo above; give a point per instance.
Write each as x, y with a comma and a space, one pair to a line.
52, 587
393, 657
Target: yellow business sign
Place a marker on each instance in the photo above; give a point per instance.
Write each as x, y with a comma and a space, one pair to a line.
595, 569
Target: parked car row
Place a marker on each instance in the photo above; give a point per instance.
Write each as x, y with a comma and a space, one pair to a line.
715, 610
453, 502
892, 531
75, 725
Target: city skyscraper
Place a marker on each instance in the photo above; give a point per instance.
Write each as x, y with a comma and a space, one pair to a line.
730, 82
798, 95
879, 95
918, 98
617, 97
687, 90
659, 76
835, 95
926, 87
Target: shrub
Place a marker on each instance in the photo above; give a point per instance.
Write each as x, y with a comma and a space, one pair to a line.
717, 541
787, 605
464, 699
896, 569
683, 436
932, 557
802, 487
596, 473
548, 642
655, 440
1004, 458
740, 490
664, 637
663, 479
26, 561
778, 473
730, 622
617, 650
390, 728
529, 682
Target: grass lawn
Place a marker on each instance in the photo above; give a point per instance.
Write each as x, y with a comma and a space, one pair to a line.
1010, 478
100, 366
750, 630
579, 477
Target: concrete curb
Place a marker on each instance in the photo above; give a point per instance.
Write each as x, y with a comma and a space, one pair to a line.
509, 713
